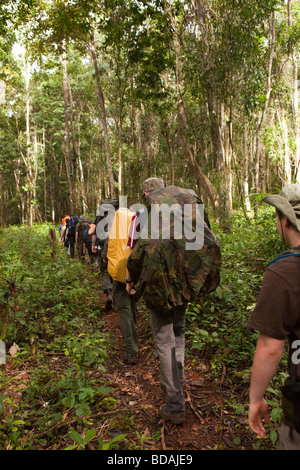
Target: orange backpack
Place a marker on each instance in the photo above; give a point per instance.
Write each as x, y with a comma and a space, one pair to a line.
117, 250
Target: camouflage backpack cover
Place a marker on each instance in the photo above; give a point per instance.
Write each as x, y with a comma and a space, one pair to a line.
165, 273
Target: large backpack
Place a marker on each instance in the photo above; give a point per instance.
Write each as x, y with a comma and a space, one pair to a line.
73, 221
117, 250
106, 209
164, 271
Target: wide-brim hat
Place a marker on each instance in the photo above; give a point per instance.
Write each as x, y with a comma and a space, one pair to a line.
287, 202
151, 184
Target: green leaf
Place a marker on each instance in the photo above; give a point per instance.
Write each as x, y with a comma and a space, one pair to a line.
76, 437
203, 332
89, 435
117, 438
273, 436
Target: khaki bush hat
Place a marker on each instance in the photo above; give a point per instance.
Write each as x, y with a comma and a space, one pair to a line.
151, 184
287, 202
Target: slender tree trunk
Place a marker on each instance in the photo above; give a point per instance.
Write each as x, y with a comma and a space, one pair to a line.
44, 175
266, 104
202, 181
101, 170
296, 117
89, 168
17, 175
52, 198
296, 124
68, 157
120, 156
29, 214
136, 175
167, 134
103, 116
146, 135
285, 138
245, 166
83, 198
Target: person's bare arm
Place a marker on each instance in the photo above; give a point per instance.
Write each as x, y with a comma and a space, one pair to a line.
266, 360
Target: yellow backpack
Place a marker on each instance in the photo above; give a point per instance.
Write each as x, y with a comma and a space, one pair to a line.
117, 250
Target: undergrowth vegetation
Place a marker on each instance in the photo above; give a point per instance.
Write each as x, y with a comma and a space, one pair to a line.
49, 314
217, 326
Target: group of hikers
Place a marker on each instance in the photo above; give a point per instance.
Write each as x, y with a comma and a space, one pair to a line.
162, 261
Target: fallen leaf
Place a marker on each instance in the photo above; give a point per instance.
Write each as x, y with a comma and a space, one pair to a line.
147, 376
14, 349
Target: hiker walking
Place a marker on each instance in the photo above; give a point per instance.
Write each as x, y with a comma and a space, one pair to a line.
106, 208
71, 223
168, 276
63, 228
117, 252
276, 317
92, 257
83, 225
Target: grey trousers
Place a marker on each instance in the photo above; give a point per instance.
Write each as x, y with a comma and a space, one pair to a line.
289, 439
168, 331
106, 283
126, 306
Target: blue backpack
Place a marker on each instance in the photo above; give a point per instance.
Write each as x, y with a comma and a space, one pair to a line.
73, 221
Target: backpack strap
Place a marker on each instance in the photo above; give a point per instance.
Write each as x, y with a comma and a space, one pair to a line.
286, 255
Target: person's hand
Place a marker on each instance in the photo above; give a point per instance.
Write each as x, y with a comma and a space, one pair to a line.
94, 249
257, 411
129, 288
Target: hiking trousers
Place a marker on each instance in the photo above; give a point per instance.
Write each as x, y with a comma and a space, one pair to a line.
126, 306
80, 249
168, 332
289, 438
107, 283
72, 246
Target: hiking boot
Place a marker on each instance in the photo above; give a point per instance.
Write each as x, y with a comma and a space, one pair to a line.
176, 418
131, 358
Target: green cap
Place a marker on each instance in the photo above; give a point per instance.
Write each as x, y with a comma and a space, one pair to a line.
287, 202
151, 184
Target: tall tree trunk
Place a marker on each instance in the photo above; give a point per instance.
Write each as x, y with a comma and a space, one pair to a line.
35, 209
146, 135
296, 117
44, 175
79, 199
167, 134
136, 175
17, 175
83, 198
29, 214
68, 156
245, 166
103, 116
293, 53
203, 182
266, 104
120, 156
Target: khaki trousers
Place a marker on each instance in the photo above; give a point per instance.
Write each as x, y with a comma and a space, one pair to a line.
126, 306
168, 331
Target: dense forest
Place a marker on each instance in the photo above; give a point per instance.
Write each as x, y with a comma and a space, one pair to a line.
97, 96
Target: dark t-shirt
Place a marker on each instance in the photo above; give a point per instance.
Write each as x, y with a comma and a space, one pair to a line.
277, 311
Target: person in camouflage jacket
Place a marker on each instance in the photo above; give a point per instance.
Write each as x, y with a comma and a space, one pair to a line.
169, 271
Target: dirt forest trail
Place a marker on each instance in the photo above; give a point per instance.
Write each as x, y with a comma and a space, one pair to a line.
210, 424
